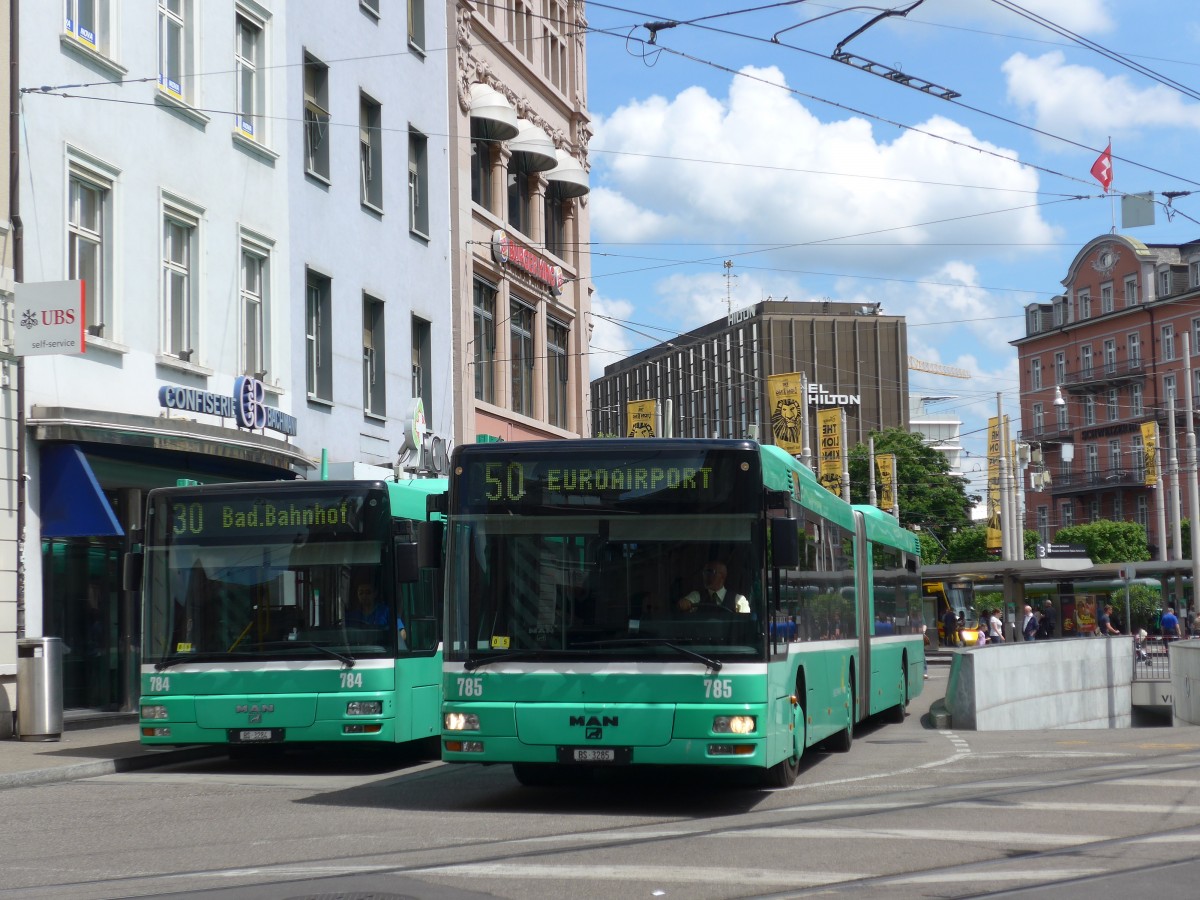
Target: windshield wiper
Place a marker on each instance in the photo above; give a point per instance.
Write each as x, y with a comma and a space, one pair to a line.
215, 655
474, 662
714, 664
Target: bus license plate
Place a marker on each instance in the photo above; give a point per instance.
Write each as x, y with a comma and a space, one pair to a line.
595, 754
251, 737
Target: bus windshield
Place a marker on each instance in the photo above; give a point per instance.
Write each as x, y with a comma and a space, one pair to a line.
234, 577
610, 586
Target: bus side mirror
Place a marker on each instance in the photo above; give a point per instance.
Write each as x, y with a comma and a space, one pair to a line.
785, 543
407, 565
429, 544
131, 571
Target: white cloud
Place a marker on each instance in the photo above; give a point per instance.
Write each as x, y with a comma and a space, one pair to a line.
610, 341
1083, 103
1086, 16
810, 182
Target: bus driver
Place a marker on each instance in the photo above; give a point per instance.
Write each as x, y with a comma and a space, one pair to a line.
714, 592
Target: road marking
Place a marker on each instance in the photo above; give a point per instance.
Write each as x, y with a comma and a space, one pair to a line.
916, 834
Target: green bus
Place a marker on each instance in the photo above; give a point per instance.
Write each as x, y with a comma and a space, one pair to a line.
576, 635
289, 612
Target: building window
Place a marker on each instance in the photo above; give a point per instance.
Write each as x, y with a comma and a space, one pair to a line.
1137, 458
250, 72
371, 6
1168, 343
1035, 374
416, 24
1164, 282
1106, 298
421, 362
1061, 413
1114, 459
1169, 389
1060, 367
520, 217
370, 152
1068, 515
1118, 508
1039, 418
89, 250
1085, 305
521, 339
1113, 405
1110, 357
88, 22
316, 118
318, 336
1085, 361
481, 173
555, 66
1196, 388
1133, 348
373, 364
1089, 410
1136, 407
1094, 511
174, 48
1131, 291
418, 183
555, 220
256, 279
179, 251
1143, 512
485, 341
520, 27
1043, 524
1194, 274
557, 373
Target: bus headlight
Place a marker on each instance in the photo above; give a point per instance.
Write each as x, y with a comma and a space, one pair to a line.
154, 712
734, 724
461, 722
364, 707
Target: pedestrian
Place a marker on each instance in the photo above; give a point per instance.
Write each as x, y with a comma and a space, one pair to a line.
995, 628
949, 628
1170, 626
1029, 624
1104, 625
1047, 624
925, 637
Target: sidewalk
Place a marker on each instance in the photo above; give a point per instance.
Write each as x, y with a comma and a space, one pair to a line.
91, 744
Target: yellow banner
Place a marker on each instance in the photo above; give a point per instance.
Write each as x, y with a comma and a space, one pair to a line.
641, 414
886, 464
829, 427
995, 539
1150, 451
787, 407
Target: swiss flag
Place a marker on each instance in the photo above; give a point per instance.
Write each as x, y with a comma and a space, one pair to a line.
1102, 167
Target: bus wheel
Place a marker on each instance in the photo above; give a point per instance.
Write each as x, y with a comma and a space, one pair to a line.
896, 713
844, 739
784, 773
538, 774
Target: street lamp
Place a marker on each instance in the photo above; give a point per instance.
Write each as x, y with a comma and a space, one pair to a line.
1058, 397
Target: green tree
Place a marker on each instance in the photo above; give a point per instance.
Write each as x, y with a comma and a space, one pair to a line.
1108, 542
928, 495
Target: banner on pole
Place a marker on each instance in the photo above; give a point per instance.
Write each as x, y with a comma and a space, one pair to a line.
1150, 452
640, 415
829, 425
886, 464
995, 539
787, 406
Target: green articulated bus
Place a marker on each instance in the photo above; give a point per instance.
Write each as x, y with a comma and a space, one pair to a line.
582, 631
289, 612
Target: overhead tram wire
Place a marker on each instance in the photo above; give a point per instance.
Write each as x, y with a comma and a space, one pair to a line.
873, 116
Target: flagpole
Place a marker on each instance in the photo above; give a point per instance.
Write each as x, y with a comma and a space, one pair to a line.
1112, 195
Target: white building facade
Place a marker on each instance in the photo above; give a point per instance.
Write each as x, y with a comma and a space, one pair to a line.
255, 193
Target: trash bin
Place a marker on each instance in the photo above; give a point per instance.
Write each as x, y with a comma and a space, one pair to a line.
40, 689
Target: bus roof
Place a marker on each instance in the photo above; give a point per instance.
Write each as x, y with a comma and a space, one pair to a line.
883, 527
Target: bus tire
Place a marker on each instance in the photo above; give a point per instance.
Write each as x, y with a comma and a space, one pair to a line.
844, 739
538, 774
785, 772
897, 713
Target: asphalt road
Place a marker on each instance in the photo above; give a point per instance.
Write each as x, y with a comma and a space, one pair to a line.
909, 812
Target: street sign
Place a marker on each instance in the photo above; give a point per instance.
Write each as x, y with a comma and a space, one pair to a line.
1126, 573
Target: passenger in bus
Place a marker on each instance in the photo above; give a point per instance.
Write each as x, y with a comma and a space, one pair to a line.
713, 591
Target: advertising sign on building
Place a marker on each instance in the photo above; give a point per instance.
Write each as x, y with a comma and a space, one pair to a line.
1150, 452
785, 395
50, 318
641, 415
829, 426
995, 538
886, 464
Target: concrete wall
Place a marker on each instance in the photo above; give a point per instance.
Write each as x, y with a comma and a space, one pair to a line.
1071, 683
1185, 681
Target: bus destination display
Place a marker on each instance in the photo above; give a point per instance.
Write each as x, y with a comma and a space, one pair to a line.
184, 517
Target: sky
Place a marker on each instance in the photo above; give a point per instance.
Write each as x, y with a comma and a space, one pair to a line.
735, 136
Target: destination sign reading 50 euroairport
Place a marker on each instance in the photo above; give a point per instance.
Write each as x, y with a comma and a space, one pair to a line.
656, 482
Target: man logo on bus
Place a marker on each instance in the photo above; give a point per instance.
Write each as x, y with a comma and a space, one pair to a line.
593, 725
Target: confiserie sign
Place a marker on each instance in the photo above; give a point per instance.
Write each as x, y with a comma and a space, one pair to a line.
507, 252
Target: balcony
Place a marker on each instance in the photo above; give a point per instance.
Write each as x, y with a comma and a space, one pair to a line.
1103, 375
1094, 482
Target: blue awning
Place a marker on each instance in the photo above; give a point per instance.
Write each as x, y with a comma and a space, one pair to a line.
73, 505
